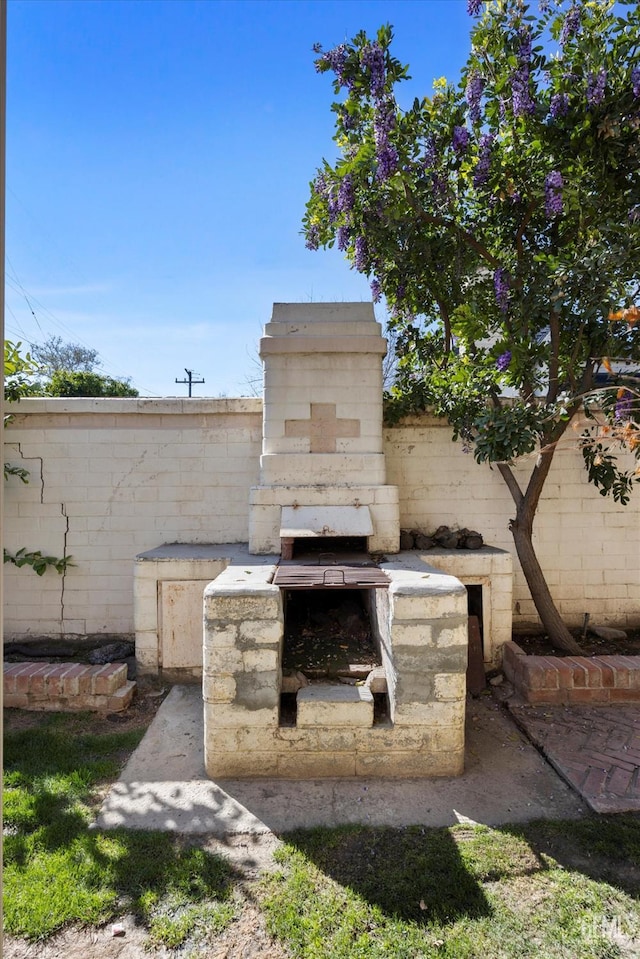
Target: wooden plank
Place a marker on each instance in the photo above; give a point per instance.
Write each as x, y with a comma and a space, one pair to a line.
476, 679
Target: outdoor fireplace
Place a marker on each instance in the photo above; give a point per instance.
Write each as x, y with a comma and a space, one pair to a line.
324, 523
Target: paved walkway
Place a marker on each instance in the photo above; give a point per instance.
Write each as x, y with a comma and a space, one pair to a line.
596, 749
164, 785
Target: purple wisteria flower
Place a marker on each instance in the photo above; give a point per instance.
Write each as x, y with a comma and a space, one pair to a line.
430, 152
635, 81
319, 185
343, 237
349, 122
624, 405
332, 202
559, 106
484, 160
384, 122
596, 85
553, 193
521, 100
376, 291
543, 6
384, 119
460, 140
387, 162
361, 254
634, 214
473, 93
345, 195
313, 238
503, 361
571, 24
372, 58
501, 287
474, 7
337, 60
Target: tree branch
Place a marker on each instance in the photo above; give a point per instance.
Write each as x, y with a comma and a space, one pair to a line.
512, 484
467, 238
523, 226
444, 313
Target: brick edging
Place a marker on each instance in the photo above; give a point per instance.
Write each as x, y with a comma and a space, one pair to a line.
572, 680
66, 686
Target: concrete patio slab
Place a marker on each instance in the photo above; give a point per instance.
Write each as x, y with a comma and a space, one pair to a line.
164, 785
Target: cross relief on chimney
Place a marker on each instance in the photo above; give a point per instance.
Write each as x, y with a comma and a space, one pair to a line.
323, 428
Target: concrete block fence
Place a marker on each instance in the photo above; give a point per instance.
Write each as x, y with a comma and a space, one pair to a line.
113, 478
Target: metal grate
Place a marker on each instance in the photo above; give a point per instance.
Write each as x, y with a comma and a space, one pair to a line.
330, 577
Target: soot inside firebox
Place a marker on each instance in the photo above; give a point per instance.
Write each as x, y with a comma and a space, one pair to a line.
327, 634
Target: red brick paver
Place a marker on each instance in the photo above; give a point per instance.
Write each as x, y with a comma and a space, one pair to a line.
596, 750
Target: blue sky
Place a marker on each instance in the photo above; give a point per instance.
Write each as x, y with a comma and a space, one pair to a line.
158, 160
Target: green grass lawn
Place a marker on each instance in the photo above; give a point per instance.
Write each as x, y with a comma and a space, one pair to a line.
544, 889
548, 889
58, 871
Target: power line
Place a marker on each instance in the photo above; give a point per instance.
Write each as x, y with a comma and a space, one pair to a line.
18, 288
51, 239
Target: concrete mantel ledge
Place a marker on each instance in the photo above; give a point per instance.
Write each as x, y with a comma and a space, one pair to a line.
422, 592
234, 553
238, 580
323, 344
410, 573
298, 315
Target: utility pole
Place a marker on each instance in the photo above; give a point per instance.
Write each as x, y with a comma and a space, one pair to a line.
190, 381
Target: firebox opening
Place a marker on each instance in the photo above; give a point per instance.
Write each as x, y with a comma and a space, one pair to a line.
328, 639
327, 634
381, 711
329, 549
288, 709
474, 606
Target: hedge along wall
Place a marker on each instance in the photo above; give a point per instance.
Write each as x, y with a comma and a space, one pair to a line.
111, 478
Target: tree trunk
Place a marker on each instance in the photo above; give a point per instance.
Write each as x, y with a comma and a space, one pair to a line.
559, 635
522, 531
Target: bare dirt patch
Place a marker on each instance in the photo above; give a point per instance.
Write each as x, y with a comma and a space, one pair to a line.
245, 938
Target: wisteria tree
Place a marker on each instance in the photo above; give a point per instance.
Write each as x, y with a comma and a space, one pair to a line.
500, 220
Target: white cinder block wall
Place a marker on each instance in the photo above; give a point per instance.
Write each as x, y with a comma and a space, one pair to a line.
588, 546
112, 478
